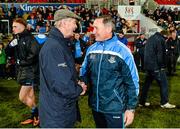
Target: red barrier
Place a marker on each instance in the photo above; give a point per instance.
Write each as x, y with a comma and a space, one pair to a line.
130, 45
167, 2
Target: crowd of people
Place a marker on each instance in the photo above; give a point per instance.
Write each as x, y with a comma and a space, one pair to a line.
43, 17
43, 1
167, 18
103, 62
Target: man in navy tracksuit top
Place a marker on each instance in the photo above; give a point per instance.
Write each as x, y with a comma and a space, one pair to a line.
110, 70
59, 88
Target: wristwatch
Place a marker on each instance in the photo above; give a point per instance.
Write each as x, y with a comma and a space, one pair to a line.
132, 110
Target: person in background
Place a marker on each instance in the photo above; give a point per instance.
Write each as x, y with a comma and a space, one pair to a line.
172, 51
11, 63
59, 85
79, 49
154, 64
26, 50
41, 37
2, 61
110, 71
139, 49
32, 22
122, 38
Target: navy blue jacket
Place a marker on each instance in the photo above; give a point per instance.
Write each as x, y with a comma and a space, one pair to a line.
58, 88
109, 67
155, 53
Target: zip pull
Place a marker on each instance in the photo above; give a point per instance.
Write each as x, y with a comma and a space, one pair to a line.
103, 46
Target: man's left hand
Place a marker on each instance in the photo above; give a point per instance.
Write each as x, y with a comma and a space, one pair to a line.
128, 117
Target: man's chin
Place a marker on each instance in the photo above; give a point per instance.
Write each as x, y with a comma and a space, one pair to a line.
98, 40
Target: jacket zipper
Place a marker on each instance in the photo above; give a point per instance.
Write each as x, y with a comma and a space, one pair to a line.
115, 92
99, 70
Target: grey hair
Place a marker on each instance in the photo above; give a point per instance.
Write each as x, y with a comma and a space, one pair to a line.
59, 22
108, 21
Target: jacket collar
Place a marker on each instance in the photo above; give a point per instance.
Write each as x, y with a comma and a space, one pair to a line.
23, 34
57, 34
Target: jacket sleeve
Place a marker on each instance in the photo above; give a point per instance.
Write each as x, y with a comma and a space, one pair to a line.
131, 82
58, 74
32, 53
159, 49
84, 69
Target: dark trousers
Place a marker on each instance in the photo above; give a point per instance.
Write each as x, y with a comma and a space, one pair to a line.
139, 60
103, 120
171, 63
160, 77
2, 70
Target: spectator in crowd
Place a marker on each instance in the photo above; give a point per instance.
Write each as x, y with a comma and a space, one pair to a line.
154, 64
110, 69
59, 87
26, 51
118, 24
40, 22
41, 37
172, 51
131, 2
79, 49
10, 18
139, 49
48, 26
86, 37
2, 16
10, 68
122, 38
11, 64
32, 22
50, 16
13, 10
2, 60
20, 11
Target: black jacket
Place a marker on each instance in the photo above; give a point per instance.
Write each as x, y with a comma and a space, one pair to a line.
59, 90
26, 54
27, 50
155, 53
172, 47
140, 44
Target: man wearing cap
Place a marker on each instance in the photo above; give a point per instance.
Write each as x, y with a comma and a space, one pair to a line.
59, 87
26, 53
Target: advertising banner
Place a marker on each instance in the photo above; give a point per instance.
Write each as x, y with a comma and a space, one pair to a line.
27, 7
130, 12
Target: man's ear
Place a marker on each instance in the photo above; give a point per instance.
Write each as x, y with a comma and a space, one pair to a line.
109, 29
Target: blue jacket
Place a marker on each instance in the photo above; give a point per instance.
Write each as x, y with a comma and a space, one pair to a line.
58, 88
123, 40
109, 67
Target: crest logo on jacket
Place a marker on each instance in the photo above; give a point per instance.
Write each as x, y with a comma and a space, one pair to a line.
13, 43
112, 59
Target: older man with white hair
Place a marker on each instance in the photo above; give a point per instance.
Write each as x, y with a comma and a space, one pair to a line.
59, 87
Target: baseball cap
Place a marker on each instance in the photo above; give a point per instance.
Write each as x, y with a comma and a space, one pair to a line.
65, 13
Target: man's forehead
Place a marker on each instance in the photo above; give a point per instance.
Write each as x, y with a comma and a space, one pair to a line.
97, 21
16, 24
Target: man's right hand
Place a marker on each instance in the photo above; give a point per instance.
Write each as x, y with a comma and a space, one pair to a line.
84, 87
